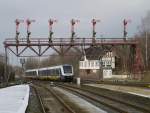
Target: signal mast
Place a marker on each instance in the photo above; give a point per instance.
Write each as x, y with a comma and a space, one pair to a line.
28, 22
73, 22
51, 22
94, 22
18, 21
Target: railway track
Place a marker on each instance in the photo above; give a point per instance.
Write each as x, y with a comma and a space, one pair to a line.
119, 82
39, 98
110, 102
64, 107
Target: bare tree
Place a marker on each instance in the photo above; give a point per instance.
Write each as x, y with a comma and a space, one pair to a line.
31, 63
144, 41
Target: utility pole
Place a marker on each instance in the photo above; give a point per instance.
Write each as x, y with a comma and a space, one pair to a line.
146, 54
6, 66
125, 23
22, 62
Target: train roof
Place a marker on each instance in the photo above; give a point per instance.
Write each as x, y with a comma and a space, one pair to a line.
51, 67
29, 70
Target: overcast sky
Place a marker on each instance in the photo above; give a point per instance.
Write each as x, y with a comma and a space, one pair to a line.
110, 12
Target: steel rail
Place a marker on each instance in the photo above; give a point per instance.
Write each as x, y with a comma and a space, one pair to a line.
39, 98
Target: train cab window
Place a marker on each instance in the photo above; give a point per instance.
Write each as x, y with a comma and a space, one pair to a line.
67, 69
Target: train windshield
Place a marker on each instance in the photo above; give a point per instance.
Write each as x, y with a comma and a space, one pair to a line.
67, 69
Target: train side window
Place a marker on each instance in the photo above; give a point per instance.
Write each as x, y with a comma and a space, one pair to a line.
42, 73
35, 73
39, 72
59, 71
52, 71
48, 72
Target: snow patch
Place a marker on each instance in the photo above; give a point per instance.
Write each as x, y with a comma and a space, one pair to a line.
14, 99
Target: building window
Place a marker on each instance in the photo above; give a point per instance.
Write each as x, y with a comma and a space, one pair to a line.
103, 63
85, 64
88, 71
92, 64
81, 64
97, 63
89, 64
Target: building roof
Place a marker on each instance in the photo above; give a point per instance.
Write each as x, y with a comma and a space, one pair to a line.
94, 53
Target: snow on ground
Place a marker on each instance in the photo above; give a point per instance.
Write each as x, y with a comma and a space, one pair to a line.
90, 108
14, 99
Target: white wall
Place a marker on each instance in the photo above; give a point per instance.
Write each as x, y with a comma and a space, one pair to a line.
107, 61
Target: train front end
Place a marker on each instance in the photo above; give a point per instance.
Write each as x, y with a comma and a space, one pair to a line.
67, 73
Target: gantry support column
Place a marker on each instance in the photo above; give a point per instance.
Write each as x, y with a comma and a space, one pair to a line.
6, 66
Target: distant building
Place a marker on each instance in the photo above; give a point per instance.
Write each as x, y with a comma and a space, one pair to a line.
107, 61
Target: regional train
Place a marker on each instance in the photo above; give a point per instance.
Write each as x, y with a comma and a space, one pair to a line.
60, 72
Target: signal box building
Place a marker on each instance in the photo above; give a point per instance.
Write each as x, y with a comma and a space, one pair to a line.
97, 68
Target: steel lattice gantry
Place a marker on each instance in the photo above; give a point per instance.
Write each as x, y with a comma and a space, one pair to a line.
60, 42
